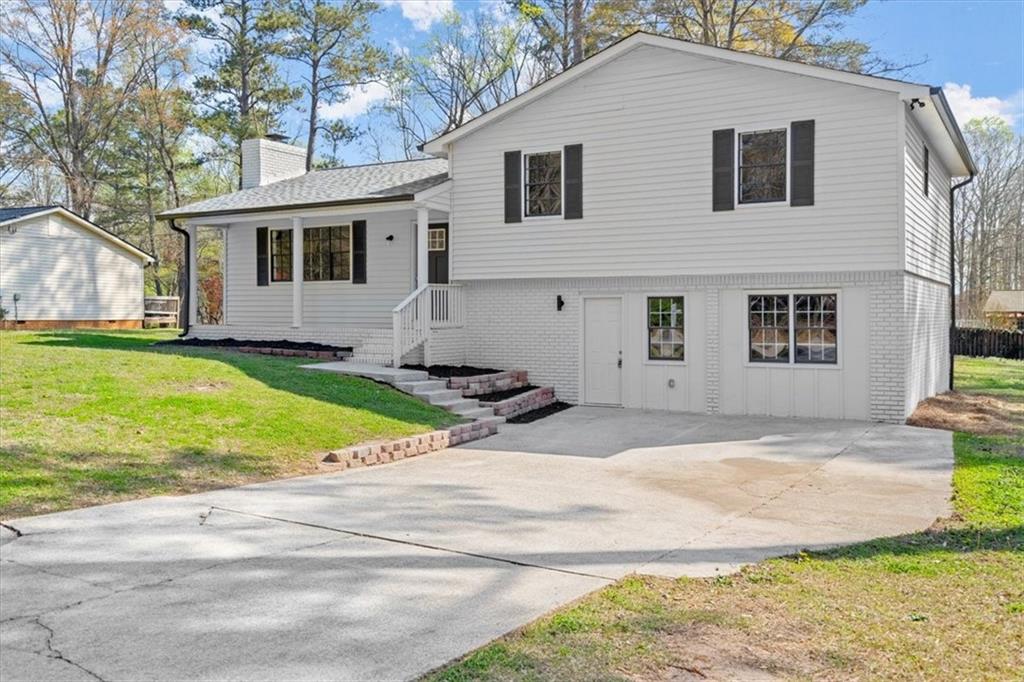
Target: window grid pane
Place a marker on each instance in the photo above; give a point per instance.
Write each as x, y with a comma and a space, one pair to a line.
816, 327
542, 186
762, 166
769, 328
280, 255
327, 253
436, 239
665, 328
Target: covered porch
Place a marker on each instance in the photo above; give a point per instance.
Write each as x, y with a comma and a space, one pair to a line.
371, 276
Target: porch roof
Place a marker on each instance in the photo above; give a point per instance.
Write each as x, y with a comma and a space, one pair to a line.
368, 184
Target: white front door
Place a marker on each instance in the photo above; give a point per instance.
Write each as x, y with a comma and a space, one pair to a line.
602, 351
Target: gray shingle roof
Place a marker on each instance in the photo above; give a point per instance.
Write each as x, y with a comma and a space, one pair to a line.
21, 211
351, 185
1005, 301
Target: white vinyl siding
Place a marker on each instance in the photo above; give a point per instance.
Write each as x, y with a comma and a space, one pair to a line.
645, 121
926, 217
63, 271
389, 265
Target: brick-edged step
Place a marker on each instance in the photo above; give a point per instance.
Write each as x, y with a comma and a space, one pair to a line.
475, 412
458, 405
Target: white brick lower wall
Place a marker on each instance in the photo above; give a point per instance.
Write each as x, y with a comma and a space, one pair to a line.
926, 314
516, 324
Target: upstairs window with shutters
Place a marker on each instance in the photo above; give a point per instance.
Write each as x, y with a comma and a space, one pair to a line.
542, 184
762, 166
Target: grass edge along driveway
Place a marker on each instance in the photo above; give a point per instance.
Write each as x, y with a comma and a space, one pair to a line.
94, 417
947, 603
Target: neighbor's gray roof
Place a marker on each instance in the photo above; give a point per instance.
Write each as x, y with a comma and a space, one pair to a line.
396, 181
1005, 301
21, 211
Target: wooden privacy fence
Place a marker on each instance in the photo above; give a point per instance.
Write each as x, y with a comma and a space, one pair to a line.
989, 343
161, 311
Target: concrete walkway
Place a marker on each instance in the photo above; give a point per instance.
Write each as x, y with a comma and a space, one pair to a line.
388, 572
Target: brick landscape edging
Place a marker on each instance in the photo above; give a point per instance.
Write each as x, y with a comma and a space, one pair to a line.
524, 402
482, 384
382, 452
291, 352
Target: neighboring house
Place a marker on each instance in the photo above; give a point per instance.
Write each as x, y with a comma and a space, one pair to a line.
59, 270
664, 226
1005, 309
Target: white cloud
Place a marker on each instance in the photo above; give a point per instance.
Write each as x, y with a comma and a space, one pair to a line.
966, 106
359, 101
422, 13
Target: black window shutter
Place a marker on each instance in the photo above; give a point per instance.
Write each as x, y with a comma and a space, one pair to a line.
513, 187
262, 257
723, 160
573, 200
359, 252
801, 164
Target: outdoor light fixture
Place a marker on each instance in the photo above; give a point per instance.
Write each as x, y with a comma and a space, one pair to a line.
390, 238
916, 102
559, 302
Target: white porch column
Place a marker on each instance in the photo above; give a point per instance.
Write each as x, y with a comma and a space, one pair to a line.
297, 272
422, 224
193, 275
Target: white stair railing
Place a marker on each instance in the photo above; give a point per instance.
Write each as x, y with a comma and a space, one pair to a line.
433, 306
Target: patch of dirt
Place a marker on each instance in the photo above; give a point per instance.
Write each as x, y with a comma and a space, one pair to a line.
448, 371
539, 413
703, 651
203, 386
982, 415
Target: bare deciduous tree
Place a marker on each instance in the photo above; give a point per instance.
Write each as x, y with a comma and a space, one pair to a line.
75, 65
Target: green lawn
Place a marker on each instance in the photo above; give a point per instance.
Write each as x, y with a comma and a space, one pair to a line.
92, 417
943, 604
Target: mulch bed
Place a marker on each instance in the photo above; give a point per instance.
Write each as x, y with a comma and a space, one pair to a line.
540, 413
498, 396
448, 371
236, 343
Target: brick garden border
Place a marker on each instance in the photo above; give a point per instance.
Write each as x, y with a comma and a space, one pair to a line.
482, 384
383, 452
291, 352
524, 402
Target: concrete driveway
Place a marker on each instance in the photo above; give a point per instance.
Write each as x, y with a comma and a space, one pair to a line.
388, 572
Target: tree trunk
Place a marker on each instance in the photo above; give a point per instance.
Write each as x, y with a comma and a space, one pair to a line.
577, 31
314, 101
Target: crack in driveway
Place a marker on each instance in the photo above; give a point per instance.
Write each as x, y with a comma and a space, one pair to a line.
52, 652
421, 545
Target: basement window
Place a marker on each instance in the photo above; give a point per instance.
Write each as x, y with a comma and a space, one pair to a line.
665, 332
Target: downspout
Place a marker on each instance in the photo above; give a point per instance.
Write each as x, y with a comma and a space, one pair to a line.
188, 278
952, 271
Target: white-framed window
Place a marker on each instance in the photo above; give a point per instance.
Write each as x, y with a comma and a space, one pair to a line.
761, 166
666, 329
542, 183
327, 253
437, 239
797, 328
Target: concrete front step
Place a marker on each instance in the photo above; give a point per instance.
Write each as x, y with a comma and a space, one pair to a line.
456, 405
475, 412
420, 387
435, 397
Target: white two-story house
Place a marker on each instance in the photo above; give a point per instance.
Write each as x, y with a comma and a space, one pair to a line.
665, 226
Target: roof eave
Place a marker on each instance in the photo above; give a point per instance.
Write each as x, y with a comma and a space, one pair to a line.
938, 97
176, 215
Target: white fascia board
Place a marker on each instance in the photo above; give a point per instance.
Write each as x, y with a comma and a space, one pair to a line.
286, 213
437, 146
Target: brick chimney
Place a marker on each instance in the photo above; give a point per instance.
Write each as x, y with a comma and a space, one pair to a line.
266, 160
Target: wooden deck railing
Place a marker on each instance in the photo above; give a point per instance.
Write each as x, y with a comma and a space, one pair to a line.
434, 306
